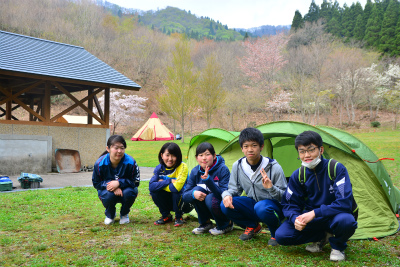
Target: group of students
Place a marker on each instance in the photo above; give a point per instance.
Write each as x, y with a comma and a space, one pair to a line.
316, 206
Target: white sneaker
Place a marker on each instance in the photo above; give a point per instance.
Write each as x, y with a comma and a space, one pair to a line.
124, 219
108, 221
202, 228
337, 255
215, 230
317, 246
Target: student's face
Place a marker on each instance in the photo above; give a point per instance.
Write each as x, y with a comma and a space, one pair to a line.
116, 151
252, 150
310, 152
205, 159
168, 159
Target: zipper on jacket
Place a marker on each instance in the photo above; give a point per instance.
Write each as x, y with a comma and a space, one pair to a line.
316, 177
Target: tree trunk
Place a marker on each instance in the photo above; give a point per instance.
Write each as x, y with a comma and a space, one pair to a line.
353, 114
232, 126
395, 117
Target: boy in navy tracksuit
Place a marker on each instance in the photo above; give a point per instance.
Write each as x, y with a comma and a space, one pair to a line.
205, 185
319, 209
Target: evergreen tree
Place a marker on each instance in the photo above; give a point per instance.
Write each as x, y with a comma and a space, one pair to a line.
333, 27
326, 10
246, 36
347, 21
359, 29
297, 21
396, 51
373, 29
387, 34
313, 12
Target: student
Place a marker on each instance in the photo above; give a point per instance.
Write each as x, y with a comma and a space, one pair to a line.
206, 183
116, 177
167, 183
264, 183
319, 208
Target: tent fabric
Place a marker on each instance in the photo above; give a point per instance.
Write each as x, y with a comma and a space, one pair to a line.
217, 137
153, 130
378, 199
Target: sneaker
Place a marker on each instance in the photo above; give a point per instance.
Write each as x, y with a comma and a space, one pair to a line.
272, 242
163, 220
317, 246
108, 221
250, 232
203, 228
124, 219
179, 222
337, 255
216, 231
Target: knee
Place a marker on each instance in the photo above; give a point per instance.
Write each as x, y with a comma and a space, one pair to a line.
344, 221
282, 237
130, 192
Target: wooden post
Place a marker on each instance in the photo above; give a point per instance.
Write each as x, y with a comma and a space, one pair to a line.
107, 106
8, 108
90, 106
46, 106
31, 102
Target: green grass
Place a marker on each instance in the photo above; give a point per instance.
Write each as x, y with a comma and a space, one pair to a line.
146, 152
64, 227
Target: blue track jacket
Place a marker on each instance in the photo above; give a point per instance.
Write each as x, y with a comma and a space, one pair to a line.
127, 172
216, 182
325, 197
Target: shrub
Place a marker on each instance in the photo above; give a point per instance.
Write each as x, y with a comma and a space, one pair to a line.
375, 124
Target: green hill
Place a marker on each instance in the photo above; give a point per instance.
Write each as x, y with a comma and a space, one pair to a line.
171, 20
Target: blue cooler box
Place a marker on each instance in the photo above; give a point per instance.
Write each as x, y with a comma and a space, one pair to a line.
5, 183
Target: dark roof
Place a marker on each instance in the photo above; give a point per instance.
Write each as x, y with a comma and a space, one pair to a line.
25, 54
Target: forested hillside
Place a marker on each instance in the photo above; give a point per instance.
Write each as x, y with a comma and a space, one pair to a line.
308, 75
375, 26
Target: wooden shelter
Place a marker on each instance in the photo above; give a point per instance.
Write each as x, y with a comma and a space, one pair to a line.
33, 70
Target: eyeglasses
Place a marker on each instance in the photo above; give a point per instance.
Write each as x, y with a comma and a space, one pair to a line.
310, 150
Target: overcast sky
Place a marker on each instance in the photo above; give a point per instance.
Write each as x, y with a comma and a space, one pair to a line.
235, 13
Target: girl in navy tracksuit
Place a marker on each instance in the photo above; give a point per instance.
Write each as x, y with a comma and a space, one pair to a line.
206, 183
116, 177
166, 185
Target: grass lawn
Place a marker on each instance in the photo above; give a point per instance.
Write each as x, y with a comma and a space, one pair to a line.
64, 227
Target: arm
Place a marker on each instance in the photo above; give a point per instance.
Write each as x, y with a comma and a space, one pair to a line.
223, 176
155, 184
293, 198
131, 176
98, 182
279, 184
234, 188
191, 183
343, 195
181, 177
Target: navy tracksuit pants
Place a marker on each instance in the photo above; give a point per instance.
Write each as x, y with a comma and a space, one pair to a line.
342, 226
248, 213
109, 200
167, 202
210, 209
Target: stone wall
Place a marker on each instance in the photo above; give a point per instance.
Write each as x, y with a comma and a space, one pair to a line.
31, 148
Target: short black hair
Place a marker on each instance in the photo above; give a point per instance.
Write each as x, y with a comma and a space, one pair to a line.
203, 147
251, 134
307, 138
173, 149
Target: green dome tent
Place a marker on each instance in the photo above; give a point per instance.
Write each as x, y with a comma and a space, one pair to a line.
377, 198
215, 136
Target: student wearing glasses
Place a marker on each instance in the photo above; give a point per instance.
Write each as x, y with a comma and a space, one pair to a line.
116, 177
318, 202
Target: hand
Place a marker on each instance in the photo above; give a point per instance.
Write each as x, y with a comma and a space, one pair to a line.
161, 180
266, 182
228, 202
199, 195
299, 225
173, 181
112, 185
205, 175
118, 192
307, 217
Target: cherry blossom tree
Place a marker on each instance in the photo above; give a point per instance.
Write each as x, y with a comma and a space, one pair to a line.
123, 108
279, 104
263, 61
392, 94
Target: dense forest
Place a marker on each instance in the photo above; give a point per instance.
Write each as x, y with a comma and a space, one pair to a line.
306, 75
377, 25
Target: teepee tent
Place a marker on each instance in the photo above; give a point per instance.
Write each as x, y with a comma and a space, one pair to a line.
377, 198
215, 136
153, 130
